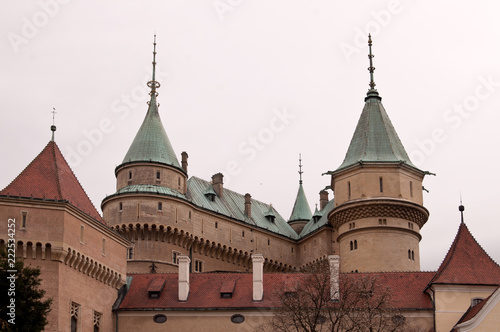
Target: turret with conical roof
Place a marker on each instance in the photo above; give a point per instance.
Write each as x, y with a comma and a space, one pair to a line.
301, 212
378, 195
150, 165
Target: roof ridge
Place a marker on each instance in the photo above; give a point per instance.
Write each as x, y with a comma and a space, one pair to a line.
56, 167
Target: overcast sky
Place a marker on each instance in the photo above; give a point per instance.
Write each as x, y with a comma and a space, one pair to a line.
248, 85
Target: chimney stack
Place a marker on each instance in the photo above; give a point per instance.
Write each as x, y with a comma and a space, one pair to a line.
248, 205
258, 276
217, 183
183, 277
323, 199
184, 161
334, 261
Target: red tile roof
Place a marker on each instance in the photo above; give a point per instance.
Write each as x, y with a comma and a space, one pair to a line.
467, 263
49, 176
407, 289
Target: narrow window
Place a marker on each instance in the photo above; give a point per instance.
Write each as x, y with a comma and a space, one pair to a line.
103, 246
174, 257
82, 229
349, 189
409, 254
160, 206
352, 246
120, 207
216, 224
130, 253
242, 233
268, 242
189, 215
179, 182
355, 244
292, 250
75, 316
130, 175
24, 217
412, 255
97, 321
411, 189
198, 266
381, 185
353, 225
157, 175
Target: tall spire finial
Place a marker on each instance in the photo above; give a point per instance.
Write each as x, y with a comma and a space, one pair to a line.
153, 84
53, 127
300, 169
461, 208
371, 69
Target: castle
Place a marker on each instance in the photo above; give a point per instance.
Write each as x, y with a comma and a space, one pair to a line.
148, 263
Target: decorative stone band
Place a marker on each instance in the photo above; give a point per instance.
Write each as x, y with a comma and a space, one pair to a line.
378, 208
186, 240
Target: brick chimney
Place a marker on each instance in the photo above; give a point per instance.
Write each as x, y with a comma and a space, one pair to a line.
183, 277
248, 205
217, 183
184, 161
323, 199
258, 277
334, 261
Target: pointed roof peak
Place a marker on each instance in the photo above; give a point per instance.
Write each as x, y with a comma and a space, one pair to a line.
49, 177
467, 263
301, 209
151, 143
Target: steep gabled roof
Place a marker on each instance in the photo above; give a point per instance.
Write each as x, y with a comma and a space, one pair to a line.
466, 263
375, 139
49, 176
301, 209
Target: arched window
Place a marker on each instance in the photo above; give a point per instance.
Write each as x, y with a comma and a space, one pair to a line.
352, 247
412, 255
355, 244
409, 254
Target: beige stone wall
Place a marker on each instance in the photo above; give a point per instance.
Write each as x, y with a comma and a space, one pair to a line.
316, 247
490, 323
74, 266
365, 183
143, 173
452, 301
222, 243
379, 248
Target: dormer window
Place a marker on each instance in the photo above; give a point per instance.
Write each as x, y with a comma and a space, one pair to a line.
270, 218
227, 289
210, 197
155, 288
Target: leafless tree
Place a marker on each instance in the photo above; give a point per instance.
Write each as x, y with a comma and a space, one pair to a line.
363, 305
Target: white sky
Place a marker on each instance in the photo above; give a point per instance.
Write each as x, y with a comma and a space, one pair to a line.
227, 67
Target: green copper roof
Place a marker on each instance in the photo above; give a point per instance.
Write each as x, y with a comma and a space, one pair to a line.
301, 209
312, 226
375, 139
151, 142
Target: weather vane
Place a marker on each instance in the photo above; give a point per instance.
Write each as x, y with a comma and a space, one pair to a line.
371, 69
53, 127
300, 169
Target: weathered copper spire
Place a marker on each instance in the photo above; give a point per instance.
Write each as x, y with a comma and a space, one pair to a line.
300, 169
371, 69
153, 84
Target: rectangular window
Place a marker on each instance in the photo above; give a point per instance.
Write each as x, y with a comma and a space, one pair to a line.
381, 185
242, 233
411, 189
97, 321
120, 207
349, 190
24, 218
130, 253
198, 266
130, 175
75, 317
157, 175
104, 246
82, 230
160, 206
174, 257
216, 224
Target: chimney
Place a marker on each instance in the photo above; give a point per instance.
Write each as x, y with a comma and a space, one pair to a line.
248, 205
323, 199
184, 161
258, 277
217, 183
334, 261
183, 277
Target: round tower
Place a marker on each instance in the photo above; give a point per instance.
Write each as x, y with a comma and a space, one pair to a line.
378, 196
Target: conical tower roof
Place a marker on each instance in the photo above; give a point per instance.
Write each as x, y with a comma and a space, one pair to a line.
151, 144
49, 177
301, 209
375, 140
